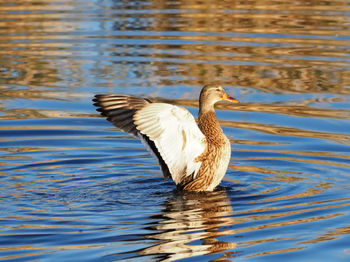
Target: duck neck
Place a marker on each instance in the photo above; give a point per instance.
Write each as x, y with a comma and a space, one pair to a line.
209, 125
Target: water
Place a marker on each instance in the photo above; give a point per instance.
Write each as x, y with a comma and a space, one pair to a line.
73, 187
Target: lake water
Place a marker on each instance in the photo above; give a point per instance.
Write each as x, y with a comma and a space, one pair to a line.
75, 188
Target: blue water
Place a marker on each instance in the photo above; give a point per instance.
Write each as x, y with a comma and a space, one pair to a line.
74, 187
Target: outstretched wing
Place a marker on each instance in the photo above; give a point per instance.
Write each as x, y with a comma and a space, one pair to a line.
176, 136
169, 132
120, 109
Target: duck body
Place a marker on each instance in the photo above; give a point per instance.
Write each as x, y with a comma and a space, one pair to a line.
195, 156
214, 160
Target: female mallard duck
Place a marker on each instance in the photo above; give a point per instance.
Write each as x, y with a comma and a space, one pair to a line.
195, 157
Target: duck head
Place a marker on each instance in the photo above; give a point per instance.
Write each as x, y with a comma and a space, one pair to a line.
212, 94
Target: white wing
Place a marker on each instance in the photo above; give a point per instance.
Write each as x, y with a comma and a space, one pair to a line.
176, 135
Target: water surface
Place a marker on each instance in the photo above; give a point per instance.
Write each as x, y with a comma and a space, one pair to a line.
73, 187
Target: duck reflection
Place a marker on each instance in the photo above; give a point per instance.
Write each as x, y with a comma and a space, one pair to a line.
190, 225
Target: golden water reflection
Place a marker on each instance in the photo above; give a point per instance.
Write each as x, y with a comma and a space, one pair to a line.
190, 226
250, 45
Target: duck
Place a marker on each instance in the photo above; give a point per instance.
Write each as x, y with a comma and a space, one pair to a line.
195, 156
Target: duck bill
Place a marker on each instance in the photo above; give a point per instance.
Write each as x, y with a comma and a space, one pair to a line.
226, 97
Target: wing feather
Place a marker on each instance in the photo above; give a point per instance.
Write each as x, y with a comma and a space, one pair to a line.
176, 136
120, 109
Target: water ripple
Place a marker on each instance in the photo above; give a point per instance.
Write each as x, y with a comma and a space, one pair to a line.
75, 188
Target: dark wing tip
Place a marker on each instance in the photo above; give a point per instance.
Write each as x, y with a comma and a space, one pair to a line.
97, 104
96, 99
119, 109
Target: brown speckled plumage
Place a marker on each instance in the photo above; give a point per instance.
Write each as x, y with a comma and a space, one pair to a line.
216, 154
